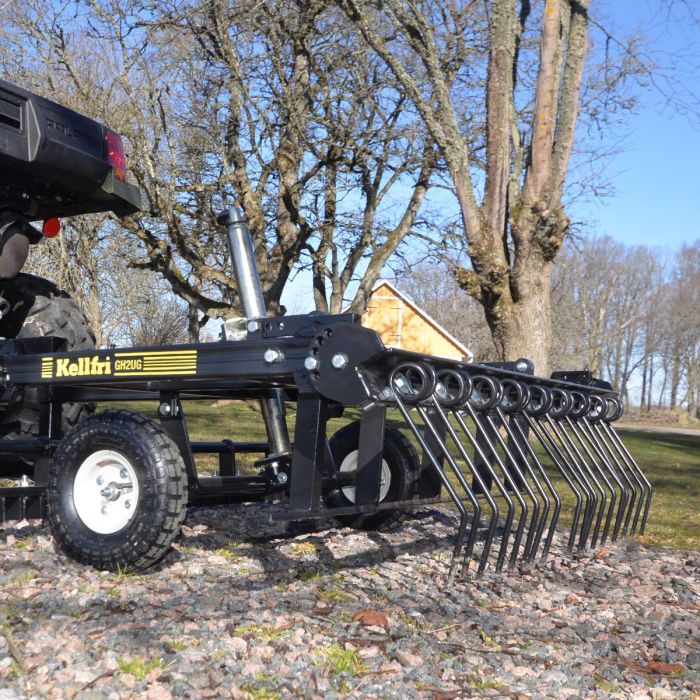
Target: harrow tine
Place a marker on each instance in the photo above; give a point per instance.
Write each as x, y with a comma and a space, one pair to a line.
553, 492
494, 478
520, 443
598, 443
570, 475
582, 431
415, 383
486, 396
480, 434
456, 391
471, 537
593, 466
518, 481
585, 474
644, 484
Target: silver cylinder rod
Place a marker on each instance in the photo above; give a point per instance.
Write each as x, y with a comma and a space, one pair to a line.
250, 292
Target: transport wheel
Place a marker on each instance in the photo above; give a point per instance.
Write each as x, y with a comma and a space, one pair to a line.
34, 307
117, 492
400, 471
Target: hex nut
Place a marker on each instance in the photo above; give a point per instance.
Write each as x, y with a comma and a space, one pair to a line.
339, 360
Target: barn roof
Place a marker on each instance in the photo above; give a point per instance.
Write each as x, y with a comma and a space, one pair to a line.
424, 316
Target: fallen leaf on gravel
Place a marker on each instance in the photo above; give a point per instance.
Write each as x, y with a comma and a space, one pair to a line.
445, 694
371, 617
602, 553
663, 669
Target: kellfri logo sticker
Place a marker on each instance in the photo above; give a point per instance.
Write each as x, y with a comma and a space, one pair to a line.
122, 364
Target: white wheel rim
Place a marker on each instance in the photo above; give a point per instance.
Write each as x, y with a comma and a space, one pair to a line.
105, 492
349, 464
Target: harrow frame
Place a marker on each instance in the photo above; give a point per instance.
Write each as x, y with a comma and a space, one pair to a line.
489, 434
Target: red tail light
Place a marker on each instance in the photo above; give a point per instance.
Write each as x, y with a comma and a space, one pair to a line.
51, 228
115, 154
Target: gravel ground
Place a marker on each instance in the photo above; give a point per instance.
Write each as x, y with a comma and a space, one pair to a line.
243, 610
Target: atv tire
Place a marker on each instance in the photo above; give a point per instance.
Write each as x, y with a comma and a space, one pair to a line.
34, 307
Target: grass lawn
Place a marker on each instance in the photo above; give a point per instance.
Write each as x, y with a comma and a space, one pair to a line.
670, 461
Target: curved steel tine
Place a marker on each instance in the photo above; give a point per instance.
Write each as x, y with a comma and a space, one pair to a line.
616, 473
553, 493
496, 480
568, 472
623, 520
591, 465
514, 489
521, 478
585, 473
493, 522
434, 461
647, 489
471, 538
519, 440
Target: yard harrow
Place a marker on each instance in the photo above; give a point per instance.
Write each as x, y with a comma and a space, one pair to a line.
498, 443
498, 440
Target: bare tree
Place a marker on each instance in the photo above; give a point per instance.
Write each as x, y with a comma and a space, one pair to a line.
628, 316
277, 104
510, 186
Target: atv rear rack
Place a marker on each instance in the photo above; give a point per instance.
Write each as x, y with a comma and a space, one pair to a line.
499, 444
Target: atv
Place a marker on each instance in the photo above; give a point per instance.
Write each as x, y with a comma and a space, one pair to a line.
54, 163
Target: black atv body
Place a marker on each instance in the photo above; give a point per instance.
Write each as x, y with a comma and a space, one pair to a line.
55, 162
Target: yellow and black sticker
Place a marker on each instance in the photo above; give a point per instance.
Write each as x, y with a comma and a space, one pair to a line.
122, 364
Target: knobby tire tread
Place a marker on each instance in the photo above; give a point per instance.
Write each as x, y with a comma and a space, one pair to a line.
38, 308
161, 507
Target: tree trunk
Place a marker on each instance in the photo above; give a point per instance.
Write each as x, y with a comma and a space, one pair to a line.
522, 327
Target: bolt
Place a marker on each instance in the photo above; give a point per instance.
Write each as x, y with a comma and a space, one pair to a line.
165, 409
253, 326
340, 360
127, 504
123, 473
521, 366
100, 480
273, 356
282, 477
311, 363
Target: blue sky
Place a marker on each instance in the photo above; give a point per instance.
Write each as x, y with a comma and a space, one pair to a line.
656, 176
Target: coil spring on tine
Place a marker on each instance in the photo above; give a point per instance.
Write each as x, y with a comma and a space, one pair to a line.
413, 381
580, 405
514, 396
540, 401
486, 393
453, 388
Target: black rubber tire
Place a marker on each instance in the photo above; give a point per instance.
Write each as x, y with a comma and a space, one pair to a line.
404, 469
158, 511
38, 308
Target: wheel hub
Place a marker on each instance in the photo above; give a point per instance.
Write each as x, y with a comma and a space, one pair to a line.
349, 464
104, 491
